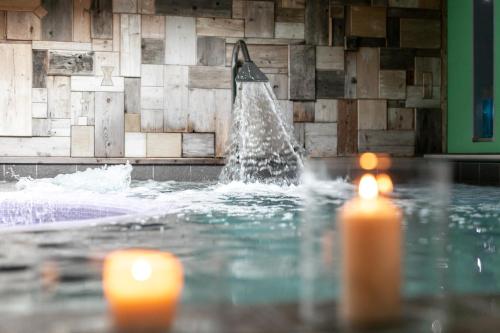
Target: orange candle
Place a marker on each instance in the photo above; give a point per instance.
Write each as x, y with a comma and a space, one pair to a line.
142, 288
371, 257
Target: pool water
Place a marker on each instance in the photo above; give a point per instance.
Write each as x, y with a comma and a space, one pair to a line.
239, 243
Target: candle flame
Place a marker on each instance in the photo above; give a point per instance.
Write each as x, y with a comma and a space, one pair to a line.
141, 270
384, 183
368, 161
368, 187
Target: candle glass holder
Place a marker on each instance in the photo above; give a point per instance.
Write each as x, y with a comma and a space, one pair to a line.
328, 248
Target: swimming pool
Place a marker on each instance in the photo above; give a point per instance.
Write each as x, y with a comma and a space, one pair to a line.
240, 244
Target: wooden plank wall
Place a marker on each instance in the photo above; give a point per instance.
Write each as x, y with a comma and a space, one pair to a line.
146, 78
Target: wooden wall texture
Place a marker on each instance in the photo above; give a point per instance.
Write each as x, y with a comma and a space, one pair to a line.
151, 78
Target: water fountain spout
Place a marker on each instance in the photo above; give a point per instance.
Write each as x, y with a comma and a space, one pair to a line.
245, 71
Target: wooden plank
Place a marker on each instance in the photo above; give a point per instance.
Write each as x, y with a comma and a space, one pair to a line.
164, 144
82, 141
420, 33
350, 75
60, 127
428, 131
209, 77
152, 98
57, 25
415, 98
347, 137
367, 68
153, 51
95, 83
279, 83
223, 120
392, 84
220, 27
40, 64
116, 32
201, 110
268, 56
132, 123
238, 8
23, 26
326, 110
198, 145
101, 18
39, 95
299, 134
394, 58
400, 118
321, 139
59, 96
425, 4
153, 26
211, 51
303, 112
366, 21
196, 8
105, 45
61, 46
285, 111
290, 15
109, 124
107, 59
152, 120
289, 30
293, 3
393, 29
427, 65
39, 110
125, 6
353, 43
330, 84
329, 58
130, 45
338, 31
132, 95
259, 19
180, 41
372, 114
19, 5
82, 106
152, 76
40, 127
316, 22
36, 146
81, 20
146, 6
135, 144
302, 78
70, 63
40, 12
393, 142
3, 25
176, 98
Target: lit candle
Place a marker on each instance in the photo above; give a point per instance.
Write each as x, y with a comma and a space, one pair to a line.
371, 257
142, 288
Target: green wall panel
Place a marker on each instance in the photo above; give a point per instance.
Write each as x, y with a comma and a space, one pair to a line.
460, 80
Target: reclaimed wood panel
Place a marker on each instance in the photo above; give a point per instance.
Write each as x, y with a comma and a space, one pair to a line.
259, 19
238, 8
132, 95
326, 110
39, 95
279, 83
198, 145
337, 31
132, 122
57, 25
420, 33
130, 45
82, 141
201, 110
425, 4
428, 65
59, 96
351, 75
176, 95
152, 76
40, 127
146, 6
35, 146
95, 83
428, 131
264, 56
153, 26
367, 72
82, 107
152, 98
303, 112
152, 120
329, 58
20, 5
392, 84
23, 26
105, 45
285, 111
366, 21
393, 29
135, 144
211, 51
125, 6
223, 120
394, 58
400, 118
372, 114
347, 120
376, 138
15, 90
101, 19
39, 110
220, 27
293, 3
415, 98
164, 145
116, 32
70, 63
299, 134
290, 15
40, 65
60, 127
3, 25
209, 77
321, 139
180, 41
289, 30
330, 84
107, 61
109, 124
81, 20
61, 46
153, 51
196, 8
316, 22
302, 68
413, 13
